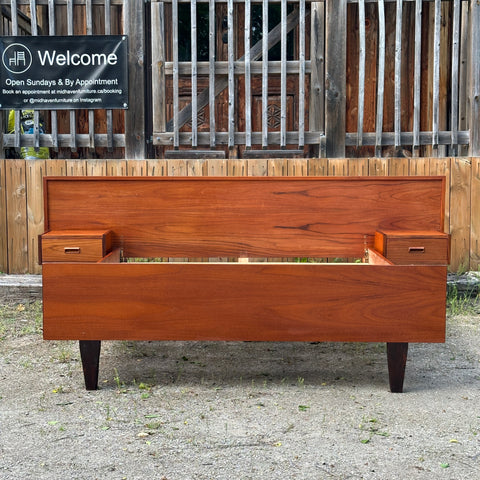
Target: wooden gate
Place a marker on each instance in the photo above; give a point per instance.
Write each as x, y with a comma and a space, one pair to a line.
233, 78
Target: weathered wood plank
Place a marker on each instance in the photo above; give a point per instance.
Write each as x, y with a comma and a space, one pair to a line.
3, 219
337, 167
399, 166
35, 170
301, 77
474, 30
17, 220
158, 67
460, 213
316, 119
96, 167
157, 167
454, 74
135, 146
378, 166
442, 167
265, 73
358, 167
361, 71
117, 167
398, 73
475, 222
335, 78
137, 168
194, 75
75, 167
283, 75
380, 78
417, 76
211, 70
231, 76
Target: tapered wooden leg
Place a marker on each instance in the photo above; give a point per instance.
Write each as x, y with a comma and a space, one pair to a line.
90, 354
397, 359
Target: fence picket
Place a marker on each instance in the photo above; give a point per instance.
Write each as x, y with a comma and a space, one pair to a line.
35, 170
3, 220
475, 222
17, 220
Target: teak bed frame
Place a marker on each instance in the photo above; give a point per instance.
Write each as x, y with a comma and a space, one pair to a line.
396, 295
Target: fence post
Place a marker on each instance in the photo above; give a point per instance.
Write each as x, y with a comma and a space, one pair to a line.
474, 34
335, 77
135, 147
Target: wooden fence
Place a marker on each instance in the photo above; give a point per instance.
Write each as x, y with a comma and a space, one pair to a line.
21, 200
334, 78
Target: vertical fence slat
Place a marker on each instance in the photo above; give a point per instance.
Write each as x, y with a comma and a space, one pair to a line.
398, 73
460, 213
176, 136
35, 170
193, 25
72, 112
135, 115
248, 79
158, 67
316, 116
455, 63
53, 113
109, 113
14, 18
474, 32
436, 74
17, 216
265, 74
283, 76
231, 77
335, 77
417, 75
380, 79
211, 73
361, 71
475, 222
34, 32
91, 113
301, 76
3, 219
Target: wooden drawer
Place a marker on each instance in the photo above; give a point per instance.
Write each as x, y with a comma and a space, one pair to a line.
75, 246
411, 247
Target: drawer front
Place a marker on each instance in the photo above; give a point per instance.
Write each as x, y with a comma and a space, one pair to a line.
426, 251
76, 248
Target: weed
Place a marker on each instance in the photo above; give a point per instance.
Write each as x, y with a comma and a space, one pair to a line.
460, 304
119, 383
370, 426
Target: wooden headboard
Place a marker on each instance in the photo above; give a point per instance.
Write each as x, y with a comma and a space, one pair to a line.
206, 216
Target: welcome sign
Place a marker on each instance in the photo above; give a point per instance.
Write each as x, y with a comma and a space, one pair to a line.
64, 72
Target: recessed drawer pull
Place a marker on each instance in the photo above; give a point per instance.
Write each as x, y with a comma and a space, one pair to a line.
70, 250
416, 249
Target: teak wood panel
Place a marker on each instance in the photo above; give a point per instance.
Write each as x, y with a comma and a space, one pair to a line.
274, 302
243, 217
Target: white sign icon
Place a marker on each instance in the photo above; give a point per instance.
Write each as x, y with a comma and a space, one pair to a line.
17, 58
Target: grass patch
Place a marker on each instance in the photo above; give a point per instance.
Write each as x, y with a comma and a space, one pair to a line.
20, 319
462, 304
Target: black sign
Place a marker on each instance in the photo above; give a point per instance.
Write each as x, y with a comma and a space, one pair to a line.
54, 73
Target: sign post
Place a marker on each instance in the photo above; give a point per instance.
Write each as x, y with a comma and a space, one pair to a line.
64, 72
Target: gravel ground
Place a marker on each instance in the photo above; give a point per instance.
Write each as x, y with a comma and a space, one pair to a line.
238, 410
